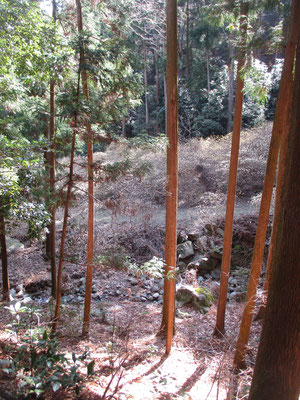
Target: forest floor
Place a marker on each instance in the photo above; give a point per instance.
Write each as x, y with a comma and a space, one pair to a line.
124, 323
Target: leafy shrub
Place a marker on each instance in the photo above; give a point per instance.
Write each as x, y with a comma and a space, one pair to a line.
36, 363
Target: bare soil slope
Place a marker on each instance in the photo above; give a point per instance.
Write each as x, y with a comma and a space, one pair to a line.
130, 223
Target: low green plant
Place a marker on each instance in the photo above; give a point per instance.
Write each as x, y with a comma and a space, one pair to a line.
35, 361
153, 268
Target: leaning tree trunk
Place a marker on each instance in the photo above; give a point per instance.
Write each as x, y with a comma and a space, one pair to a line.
277, 367
220, 323
281, 121
5, 276
172, 176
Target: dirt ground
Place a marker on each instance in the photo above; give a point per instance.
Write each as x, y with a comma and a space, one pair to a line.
123, 331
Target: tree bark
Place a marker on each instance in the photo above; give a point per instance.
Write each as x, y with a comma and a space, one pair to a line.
157, 91
146, 86
281, 122
220, 323
230, 91
207, 71
90, 256
52, 227
277, 367
64, 230
188, 58
172, 176
5, 276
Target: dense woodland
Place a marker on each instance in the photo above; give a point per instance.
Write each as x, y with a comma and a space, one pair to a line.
149, 180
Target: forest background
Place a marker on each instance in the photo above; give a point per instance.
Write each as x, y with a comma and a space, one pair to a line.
74, 83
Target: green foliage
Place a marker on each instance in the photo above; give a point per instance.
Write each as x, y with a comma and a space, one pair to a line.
21, 184
36, 363
153, 268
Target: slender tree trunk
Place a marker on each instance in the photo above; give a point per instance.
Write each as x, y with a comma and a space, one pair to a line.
64, 230
188, 62
124, 128
277, 367
281, 122
166, 102
47, 171
157, 91
5, 276
172, 176
52, 157
207, 71
146, 86
89, 270
230, 91
220, 323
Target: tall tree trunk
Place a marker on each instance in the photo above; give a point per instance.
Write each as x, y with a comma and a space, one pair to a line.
230, 66
89, 270
47, 171
64, 229
220, 323
172, 176
157, 91
5, 276
146, 86
277, 367
52, 177
207, 71
281, 122
188, 58
124, 128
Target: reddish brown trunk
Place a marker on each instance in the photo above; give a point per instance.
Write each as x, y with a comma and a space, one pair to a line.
172, 175
64, 231
277, 367
89, 271
220, 324
52, 157
5, 276
280, 127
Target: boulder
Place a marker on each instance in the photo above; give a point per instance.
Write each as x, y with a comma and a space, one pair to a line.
182, 237
202, 263
13, 245
185, 250
199, 298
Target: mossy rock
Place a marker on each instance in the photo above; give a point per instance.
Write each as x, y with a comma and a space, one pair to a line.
199, 298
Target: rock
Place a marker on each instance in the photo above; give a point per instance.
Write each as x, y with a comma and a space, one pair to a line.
118, 292
185, 250
199, 298
161, 283
155, 288
202, 243
214, 287
216, 273
36, 284
182, 237
220, 232
133, 281
155, 296
193, 236
216, 253
181, 266
202, 263
237, 296
13, 245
